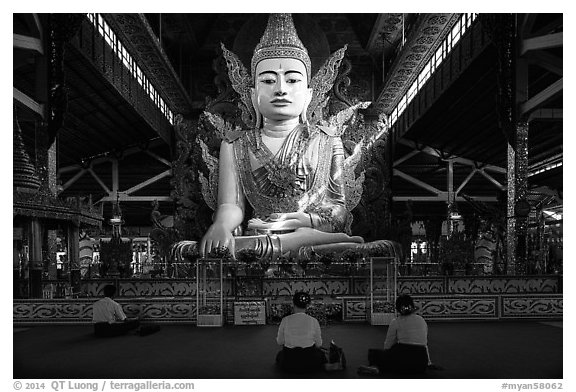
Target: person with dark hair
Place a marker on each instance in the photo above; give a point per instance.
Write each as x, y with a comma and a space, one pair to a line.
109, 318
406, 345
300, 337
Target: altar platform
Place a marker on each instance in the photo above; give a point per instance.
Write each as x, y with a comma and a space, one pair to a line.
466, 350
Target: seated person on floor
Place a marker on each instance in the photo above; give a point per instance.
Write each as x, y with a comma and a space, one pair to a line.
109, 318
300, 337
406, 345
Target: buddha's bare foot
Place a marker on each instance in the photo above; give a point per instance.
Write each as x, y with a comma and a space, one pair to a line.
183, 249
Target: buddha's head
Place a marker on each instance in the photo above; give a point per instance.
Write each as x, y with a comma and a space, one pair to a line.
281, 71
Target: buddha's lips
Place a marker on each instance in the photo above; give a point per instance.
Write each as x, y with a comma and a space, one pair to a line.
280, 100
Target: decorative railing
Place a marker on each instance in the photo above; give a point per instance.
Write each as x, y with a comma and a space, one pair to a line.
334, 298
259, 286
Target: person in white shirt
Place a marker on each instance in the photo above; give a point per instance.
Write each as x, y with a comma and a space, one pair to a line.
406, 345
109, 318
301, 339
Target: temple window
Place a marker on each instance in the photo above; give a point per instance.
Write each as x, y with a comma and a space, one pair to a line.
447, 44
129, 62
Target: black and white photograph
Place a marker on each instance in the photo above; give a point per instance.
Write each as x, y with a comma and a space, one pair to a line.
271, 201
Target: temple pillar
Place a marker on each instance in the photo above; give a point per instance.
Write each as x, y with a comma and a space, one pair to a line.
518, 206
521, 205
52, 259
512, 83
451, 224
73, 236
511, 221
35, 263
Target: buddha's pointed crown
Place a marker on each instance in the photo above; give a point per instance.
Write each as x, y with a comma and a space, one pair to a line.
280, 40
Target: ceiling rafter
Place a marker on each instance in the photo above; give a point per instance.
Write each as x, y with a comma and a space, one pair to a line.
107, 156
547, 61
28, 43
443, 155
149, 181
417, 182
30, 103
548, 41
542, 97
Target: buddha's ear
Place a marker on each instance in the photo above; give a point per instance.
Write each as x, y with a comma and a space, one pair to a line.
254, 98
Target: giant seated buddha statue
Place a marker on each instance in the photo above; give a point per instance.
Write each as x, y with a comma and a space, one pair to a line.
290, 174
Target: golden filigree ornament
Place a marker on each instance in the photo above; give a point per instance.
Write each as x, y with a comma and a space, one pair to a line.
209, 186
321, 83
242, 83
280, 40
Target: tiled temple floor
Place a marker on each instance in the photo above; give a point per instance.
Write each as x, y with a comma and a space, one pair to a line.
465, 350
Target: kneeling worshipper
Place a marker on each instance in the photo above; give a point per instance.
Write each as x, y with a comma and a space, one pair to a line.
109, 318
300, 337
406, 345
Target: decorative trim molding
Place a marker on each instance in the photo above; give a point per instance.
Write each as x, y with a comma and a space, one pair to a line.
422, 44
342, 298
532, 306
182, 310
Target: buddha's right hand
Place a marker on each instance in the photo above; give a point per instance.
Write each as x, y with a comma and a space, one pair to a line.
217, 236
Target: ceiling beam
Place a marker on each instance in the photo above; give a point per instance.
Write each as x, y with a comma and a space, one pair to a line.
159, 158
543, 96
74, 179
432, 151
30, 103
548, 41
417, 182
149, 181
99, 181
442, 198
107, 156
547, 61
546, 114
124, 197
405, 157
28, 43
492, 179
466, 180
38, 24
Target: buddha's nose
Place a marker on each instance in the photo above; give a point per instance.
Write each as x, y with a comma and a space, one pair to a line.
281, 88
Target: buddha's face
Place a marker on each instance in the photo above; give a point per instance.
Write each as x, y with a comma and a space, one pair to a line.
281, 88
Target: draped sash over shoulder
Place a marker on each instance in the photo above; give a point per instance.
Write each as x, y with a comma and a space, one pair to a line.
309, 171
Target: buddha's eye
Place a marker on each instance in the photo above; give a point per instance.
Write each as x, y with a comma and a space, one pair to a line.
293, 80
268, 81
